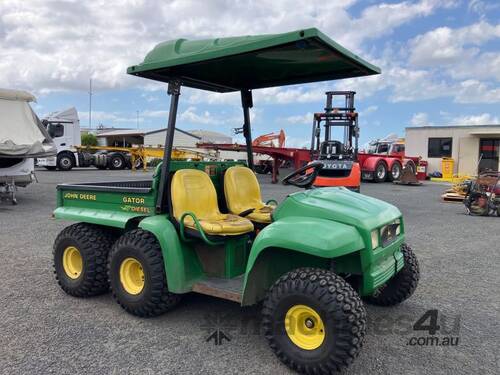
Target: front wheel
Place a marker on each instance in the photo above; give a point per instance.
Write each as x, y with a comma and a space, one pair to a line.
65, 162
402, 285
314, 321
137, 275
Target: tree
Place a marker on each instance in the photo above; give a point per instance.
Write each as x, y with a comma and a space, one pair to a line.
89, 139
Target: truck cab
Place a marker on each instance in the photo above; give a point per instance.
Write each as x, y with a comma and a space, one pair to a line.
64, 129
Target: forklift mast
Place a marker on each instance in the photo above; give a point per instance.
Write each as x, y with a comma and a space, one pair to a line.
343, 117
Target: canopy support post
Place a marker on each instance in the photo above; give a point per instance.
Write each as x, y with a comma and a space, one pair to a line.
174, 90
247, 103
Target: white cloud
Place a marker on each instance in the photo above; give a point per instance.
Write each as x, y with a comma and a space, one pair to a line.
191, 115
474, 91
368, 110
300, 119
50, 46
420, 119
445, 45
482, 119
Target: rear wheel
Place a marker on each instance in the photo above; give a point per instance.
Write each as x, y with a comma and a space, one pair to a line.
402, 285
380, 173
80, 257
396, 170
116, 162
314, 321
137, 275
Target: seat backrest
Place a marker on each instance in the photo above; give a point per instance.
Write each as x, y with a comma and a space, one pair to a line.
241, 189
193, 190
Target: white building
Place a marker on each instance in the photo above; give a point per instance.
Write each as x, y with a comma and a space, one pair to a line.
473, 148
188, 140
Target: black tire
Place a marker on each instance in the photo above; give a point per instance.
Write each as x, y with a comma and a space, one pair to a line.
65, 162
117, 162
50, 168
396, 171
154, 298
402, 285
93, 243
337, 304
380, 172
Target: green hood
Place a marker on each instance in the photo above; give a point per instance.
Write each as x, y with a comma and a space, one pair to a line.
341, 205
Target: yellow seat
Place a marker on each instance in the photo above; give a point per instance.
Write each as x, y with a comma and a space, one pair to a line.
242, 192
193, 191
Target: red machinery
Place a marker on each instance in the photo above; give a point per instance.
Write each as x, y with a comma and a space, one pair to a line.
268, 140
385, 160
298, 156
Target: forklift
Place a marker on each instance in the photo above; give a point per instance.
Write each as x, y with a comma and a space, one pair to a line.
340, 159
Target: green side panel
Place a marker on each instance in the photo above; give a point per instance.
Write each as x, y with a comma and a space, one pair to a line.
182, 265
236, 255
95, 216
250, 62
126, 202
314, 238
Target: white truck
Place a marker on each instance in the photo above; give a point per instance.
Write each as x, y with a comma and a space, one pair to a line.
64, 128
22, 138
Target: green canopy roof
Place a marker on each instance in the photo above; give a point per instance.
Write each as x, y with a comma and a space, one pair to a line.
252, 62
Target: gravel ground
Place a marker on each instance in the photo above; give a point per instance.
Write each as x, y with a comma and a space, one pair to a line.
45, 331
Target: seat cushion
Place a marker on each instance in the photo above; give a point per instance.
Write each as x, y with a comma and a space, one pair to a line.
261, 215
242, 192
192, 191
226, 224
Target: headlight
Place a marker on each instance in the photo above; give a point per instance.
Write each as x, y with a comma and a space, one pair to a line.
389, 232
375, 239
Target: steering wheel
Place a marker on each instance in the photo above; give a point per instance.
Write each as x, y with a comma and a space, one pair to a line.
302, 179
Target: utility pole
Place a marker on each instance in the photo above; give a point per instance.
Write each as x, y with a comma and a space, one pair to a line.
90, 104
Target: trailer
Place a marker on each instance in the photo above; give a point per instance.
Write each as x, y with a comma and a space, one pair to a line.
297, 156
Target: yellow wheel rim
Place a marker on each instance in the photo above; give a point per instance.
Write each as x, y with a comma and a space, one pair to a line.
72, 262
132, 276
304, 327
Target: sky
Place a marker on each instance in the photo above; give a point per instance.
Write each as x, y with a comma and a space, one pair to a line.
440, 61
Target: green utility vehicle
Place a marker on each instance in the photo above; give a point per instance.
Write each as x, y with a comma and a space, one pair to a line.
203, 227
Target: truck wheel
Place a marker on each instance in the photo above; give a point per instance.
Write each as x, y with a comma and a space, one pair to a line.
314, 321
402, 285
116, 162
380, 173
396, 169
137, 275
80, 257
65, 162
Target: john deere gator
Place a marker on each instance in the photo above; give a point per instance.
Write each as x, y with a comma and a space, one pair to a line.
203, 227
